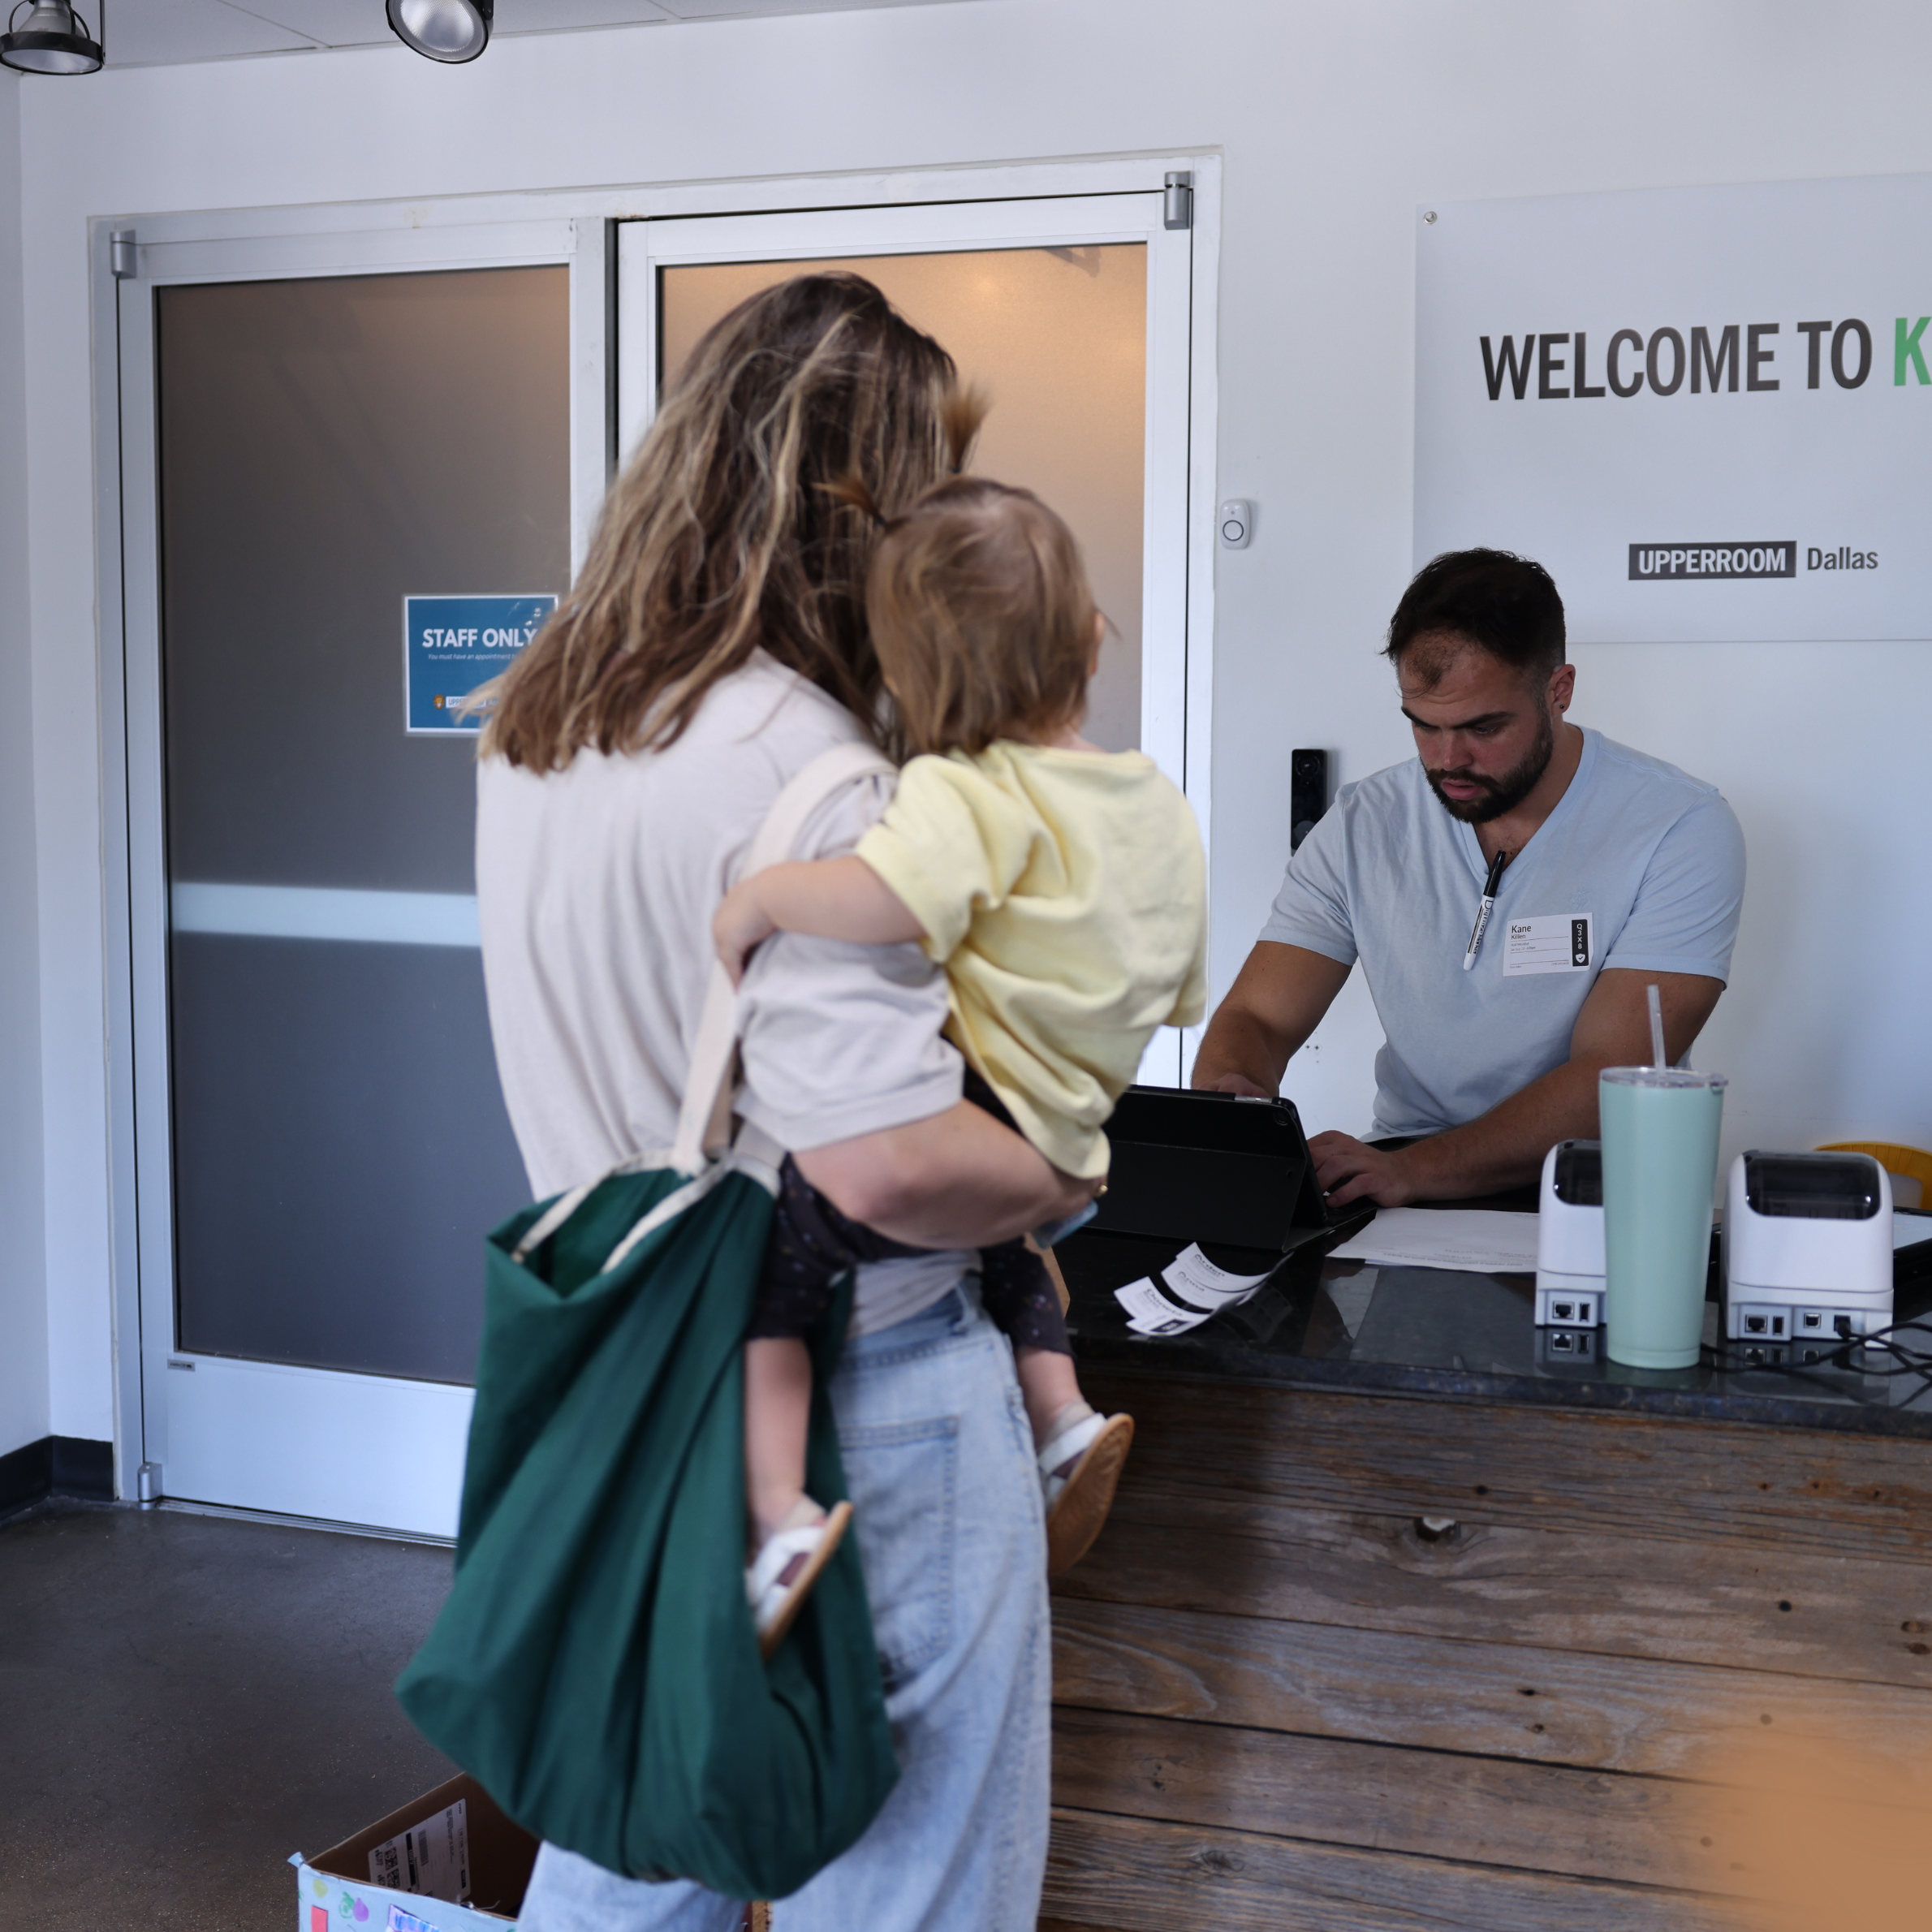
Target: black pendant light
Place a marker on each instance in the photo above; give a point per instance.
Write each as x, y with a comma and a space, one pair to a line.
446, 30
53, 39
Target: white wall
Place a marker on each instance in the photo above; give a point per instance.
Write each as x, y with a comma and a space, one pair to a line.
23, 1279
1335, 121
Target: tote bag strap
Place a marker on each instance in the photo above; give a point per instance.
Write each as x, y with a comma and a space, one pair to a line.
705, 1122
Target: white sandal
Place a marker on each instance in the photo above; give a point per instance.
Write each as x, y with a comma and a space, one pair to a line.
780, 1578
1080, 1469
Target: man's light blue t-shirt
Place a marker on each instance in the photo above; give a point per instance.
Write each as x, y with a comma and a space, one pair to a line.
1640, 866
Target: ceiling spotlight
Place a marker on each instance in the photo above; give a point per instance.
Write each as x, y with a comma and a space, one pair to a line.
53, 39
448, 30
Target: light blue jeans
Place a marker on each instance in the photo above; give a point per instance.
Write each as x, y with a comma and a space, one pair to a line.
947, 1508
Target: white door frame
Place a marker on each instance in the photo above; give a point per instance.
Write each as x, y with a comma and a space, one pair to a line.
408, 1477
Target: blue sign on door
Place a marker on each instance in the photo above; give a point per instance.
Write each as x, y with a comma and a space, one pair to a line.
451, 644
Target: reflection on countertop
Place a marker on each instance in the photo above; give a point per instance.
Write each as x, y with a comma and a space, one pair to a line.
1459, 1336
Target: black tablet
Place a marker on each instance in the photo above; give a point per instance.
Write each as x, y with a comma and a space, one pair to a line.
1214, 1168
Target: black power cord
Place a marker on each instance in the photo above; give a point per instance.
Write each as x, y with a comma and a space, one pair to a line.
1906, 1362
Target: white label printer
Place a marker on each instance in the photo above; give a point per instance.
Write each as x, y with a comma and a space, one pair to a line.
1569, 1237
1807, 1249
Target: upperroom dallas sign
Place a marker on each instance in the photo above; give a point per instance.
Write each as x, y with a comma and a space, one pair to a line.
1708, 411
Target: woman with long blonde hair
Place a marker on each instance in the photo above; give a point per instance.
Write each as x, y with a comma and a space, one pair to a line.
714, 645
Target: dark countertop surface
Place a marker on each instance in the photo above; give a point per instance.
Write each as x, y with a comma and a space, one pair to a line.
1318, 1323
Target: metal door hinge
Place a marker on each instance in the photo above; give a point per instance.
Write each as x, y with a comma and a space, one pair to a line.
1177, 209
124, 258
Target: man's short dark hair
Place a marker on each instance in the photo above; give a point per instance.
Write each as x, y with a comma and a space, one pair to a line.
1504, 603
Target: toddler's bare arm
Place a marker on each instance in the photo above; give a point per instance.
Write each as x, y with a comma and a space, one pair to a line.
828, 898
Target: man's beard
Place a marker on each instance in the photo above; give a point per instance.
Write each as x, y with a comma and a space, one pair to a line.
1500, 795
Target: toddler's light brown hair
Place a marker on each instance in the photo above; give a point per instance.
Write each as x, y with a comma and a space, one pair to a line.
981, 617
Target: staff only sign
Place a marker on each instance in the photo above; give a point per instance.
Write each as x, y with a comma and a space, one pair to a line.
1705, 410
451, 644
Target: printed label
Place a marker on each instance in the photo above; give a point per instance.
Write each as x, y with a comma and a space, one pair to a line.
1184, 1294
432, 1858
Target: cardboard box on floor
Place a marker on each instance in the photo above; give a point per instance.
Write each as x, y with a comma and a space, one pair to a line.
334, 1892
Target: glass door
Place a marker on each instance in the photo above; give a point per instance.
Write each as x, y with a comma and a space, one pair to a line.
349, 472
1071, 314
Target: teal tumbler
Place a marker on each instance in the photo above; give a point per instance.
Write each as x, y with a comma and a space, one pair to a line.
1659, 1129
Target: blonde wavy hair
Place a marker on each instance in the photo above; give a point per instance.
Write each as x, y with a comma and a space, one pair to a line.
723, 537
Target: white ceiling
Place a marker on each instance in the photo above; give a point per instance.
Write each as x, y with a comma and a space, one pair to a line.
145, 33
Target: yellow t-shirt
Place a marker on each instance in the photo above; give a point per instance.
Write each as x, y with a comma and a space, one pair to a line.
1066, 894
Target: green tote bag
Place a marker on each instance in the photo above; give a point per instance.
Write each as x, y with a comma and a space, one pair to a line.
595, 1667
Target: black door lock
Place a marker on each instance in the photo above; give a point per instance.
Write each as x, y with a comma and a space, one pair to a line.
1308, 794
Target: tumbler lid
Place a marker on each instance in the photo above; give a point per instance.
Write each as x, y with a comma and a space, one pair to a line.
1662, 1076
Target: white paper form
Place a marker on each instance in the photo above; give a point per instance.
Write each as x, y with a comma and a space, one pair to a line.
1908, 1229
432, 1858
1189, 1289
1480, 1241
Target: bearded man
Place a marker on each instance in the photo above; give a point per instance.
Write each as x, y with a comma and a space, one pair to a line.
1618, 872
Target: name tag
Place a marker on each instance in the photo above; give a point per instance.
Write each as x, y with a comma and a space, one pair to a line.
1551, 942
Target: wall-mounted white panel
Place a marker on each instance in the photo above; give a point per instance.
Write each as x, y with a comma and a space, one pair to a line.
1704, 409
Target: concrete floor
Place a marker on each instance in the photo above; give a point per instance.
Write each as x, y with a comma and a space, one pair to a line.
185, 1700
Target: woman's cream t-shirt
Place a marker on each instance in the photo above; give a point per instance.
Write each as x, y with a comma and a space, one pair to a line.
1066, 894
595, 890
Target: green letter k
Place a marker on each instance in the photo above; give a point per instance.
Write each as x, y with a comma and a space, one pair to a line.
1904, 346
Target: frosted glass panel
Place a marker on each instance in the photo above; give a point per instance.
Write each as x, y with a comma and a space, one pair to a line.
328, 446
1058, 338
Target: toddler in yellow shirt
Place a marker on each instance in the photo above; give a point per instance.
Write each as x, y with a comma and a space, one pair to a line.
1062, 888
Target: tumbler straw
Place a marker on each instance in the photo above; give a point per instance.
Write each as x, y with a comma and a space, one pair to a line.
1657, 1058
